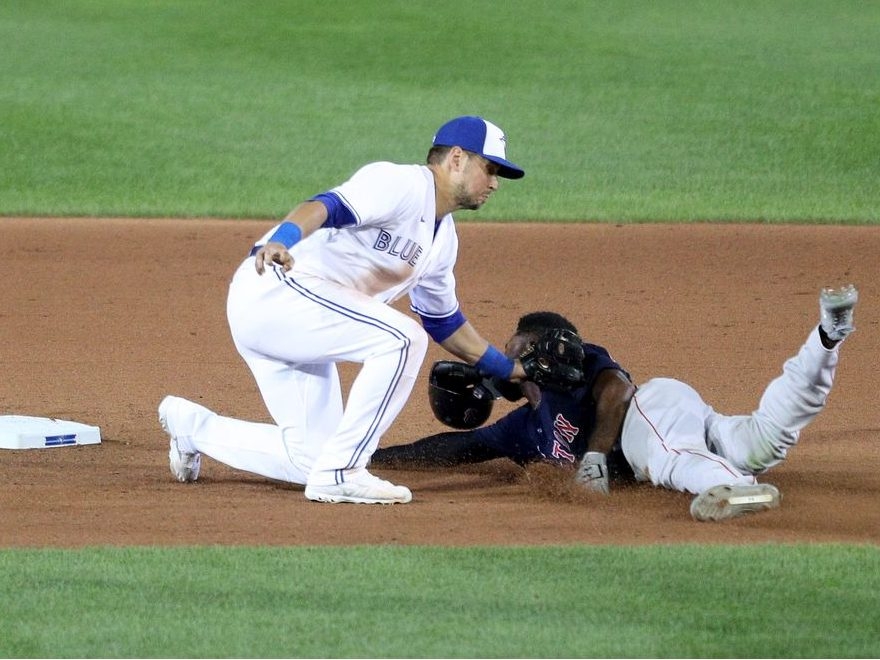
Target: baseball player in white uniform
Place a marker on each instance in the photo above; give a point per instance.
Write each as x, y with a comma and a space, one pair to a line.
316, 290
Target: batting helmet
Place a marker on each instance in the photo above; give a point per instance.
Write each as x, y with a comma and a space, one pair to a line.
458, 396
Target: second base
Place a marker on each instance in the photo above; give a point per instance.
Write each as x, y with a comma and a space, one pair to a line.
23, 432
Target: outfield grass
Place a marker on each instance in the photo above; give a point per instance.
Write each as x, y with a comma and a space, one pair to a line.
674, 601
629, 110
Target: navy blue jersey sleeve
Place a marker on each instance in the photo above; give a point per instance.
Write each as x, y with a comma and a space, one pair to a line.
506, 438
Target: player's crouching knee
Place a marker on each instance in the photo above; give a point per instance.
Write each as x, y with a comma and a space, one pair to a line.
406, 339
416, 342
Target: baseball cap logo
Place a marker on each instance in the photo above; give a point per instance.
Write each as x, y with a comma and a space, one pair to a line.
495, 143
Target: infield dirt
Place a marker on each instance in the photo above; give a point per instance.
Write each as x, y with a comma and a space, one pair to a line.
101, 318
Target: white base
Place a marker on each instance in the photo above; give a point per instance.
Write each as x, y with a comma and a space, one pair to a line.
21, 432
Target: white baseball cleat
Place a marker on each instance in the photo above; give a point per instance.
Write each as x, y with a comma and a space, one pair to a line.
725, 501
184, 465
362, 488
836, 311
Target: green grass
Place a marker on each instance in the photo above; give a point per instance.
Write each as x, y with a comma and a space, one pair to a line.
662, 601
630, 110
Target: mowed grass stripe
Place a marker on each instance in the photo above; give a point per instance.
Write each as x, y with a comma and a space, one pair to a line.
618, 111
660, 601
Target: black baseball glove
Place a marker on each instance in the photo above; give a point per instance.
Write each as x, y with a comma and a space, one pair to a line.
555, 361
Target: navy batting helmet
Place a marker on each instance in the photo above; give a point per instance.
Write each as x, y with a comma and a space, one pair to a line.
458, 396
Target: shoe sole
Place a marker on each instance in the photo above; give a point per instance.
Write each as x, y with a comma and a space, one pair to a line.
329, 498
836, 303
724, 502
841, 299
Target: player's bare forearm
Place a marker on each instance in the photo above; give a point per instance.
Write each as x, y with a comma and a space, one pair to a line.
308, 217
612, 393
468, 345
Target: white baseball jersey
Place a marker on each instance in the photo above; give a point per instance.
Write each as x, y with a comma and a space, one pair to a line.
293, 327
395, 245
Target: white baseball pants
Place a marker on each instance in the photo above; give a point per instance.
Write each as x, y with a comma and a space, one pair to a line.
291, 333
674, 439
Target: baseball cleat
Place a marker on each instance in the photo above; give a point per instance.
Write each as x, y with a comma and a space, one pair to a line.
361, 489
836, 311
725, 501
184, 465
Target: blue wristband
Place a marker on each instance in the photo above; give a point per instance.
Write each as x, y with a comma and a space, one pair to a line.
495, 363
287, 234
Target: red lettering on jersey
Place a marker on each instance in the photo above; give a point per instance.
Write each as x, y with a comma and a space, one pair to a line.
559, 452
563, 429
563, 434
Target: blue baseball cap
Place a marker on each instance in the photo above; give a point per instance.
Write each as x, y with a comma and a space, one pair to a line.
479, 136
